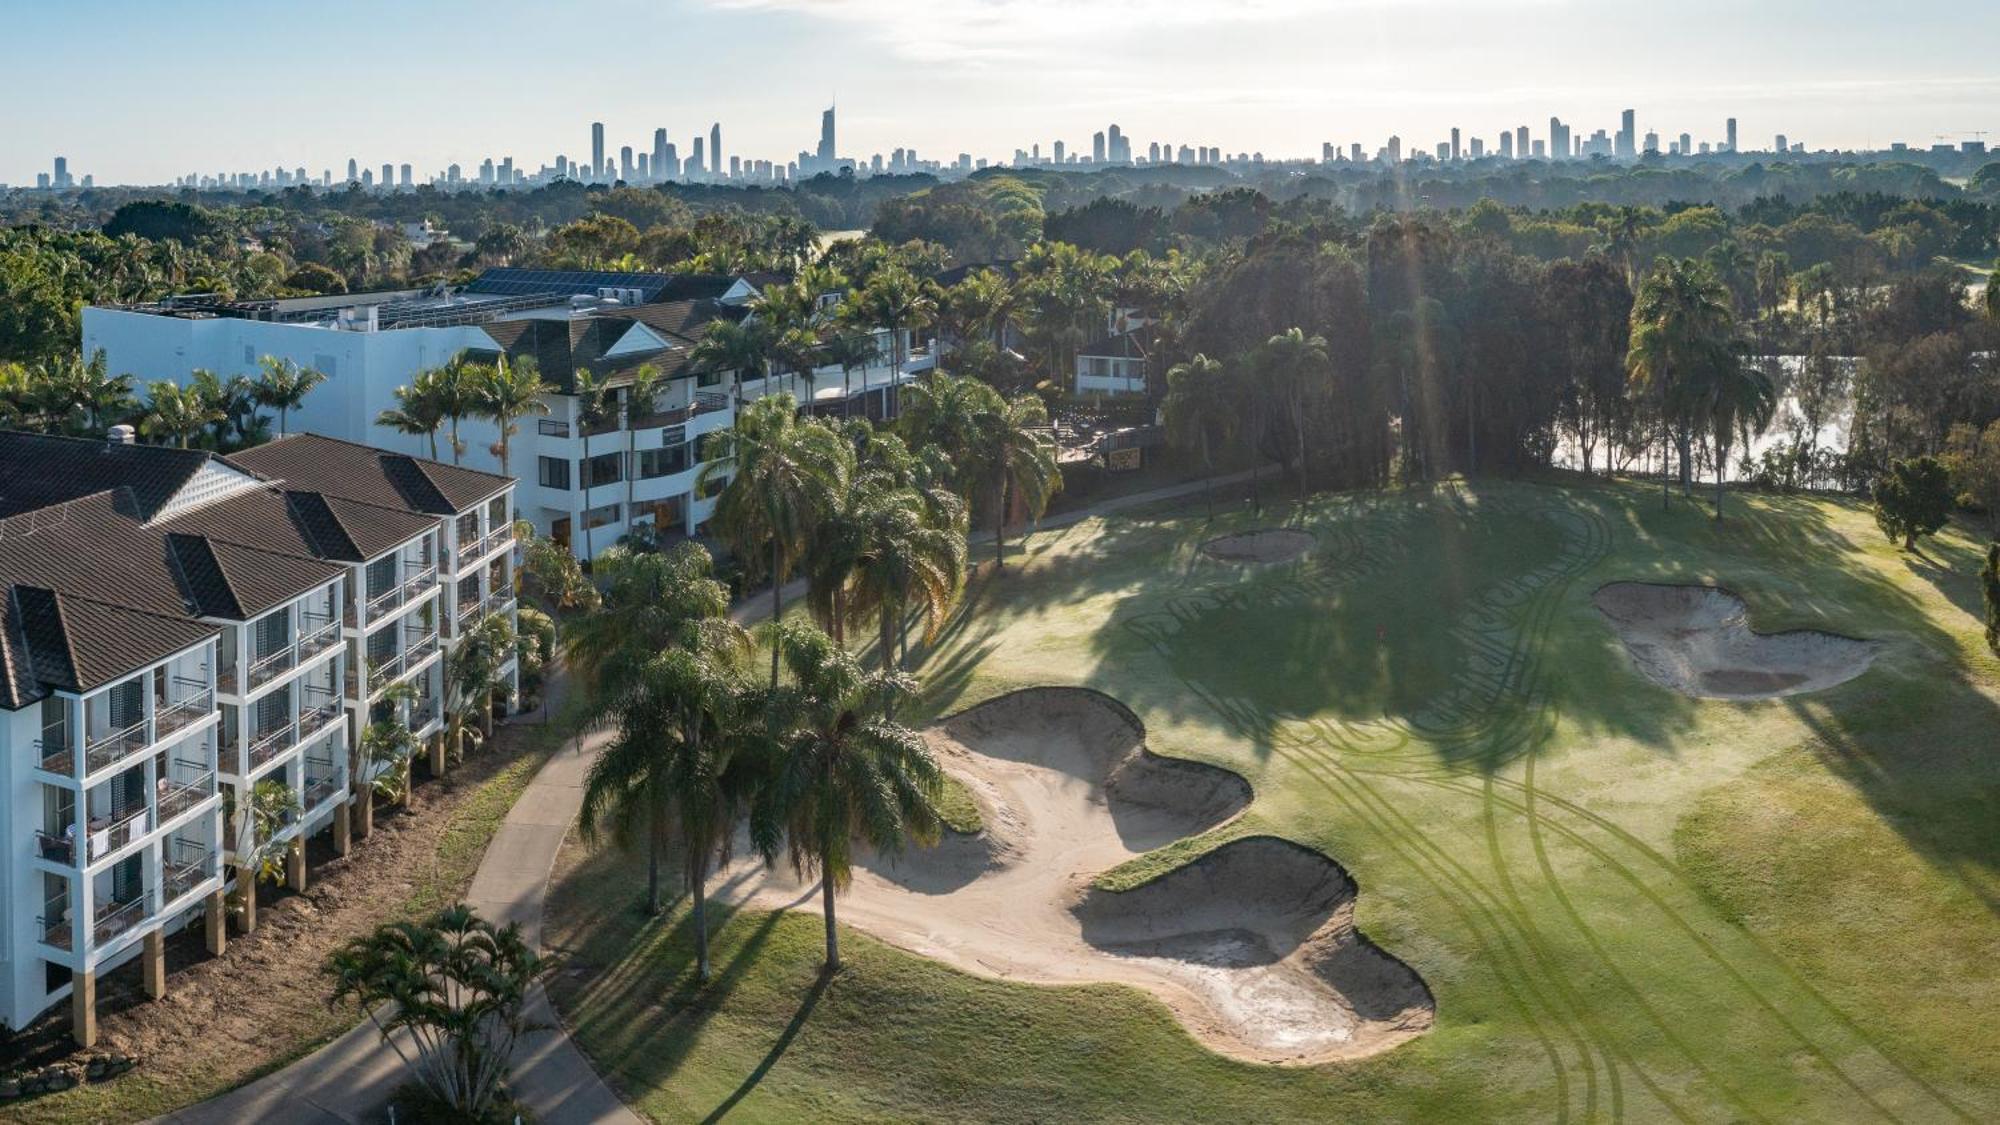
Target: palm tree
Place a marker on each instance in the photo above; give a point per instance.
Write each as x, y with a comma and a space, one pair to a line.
894, 299
505, 392
232, 399
979, 306
654, 656
1018, 456
455, 387
174, 411
642, 399
596, 404
1294, 365
72, 385
727, 346
907, 555
1738, 399
419, 409
850, 349
946, 412
783, 473
473, 676
839, 777
1681, 327
283, 386
1200, 413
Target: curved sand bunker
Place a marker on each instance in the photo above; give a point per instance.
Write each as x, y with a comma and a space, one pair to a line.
1265, 545
1697, 640
1252, 946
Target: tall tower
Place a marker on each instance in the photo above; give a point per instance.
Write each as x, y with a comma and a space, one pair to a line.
695, 166
1729, 145
715, 149
1455, 152
1521, 143
658, 168
353, 170
826, 150
597, 150
1097, 147
1627, 134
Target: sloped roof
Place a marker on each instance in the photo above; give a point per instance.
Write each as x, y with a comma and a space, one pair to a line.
1136, 344
240, 582
40, 470
79, 644
372, 476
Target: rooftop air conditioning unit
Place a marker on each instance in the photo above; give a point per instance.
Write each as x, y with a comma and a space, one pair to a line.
120, 434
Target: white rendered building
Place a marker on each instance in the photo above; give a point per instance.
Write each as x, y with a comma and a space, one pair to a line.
609, 324
178, 628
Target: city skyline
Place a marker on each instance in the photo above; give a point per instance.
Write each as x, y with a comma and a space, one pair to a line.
1244, 78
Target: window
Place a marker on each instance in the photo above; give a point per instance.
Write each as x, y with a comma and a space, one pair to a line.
496, 513
554, 473
272, 629
714, 488
605, 468
708, 379
274, 710
551, 427
468, 526
598, 517
128, 704
662, 462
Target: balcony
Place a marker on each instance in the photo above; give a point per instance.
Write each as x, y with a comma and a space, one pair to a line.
55, 750
54, 922
271, 666
271, 743
108, 750
500, 537
424, 713
402, 593
56, 847
186, 866
316, 717
118, 917
318, 791
321, 633
118, 828
402, 663
171, 718
177, 797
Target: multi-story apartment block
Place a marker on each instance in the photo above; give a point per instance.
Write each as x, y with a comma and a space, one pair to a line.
178, 628
638, 468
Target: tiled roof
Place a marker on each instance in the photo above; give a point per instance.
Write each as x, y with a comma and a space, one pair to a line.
561, 349
79, 644
364, 473
40, 470
238, 582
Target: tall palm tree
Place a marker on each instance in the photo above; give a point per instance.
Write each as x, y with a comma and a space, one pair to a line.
1681, 328
1295, 367
1738, 399
783, 474
1017, 454
473, 676
232, 398
508, 391
907, 559
596, 404
743, 348
978, 307
455, 387
850, 349
419, 410
642, 400
1200, 414
283, 385
839, 777
654, 656
174, 411
895, 299
72, 385
947, 412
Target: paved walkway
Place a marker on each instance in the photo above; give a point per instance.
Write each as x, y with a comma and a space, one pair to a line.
350, 1078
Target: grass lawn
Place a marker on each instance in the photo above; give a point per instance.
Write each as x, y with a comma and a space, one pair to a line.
1628, 902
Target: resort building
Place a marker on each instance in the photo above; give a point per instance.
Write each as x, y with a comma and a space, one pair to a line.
190, 647
1121, 361
637, 468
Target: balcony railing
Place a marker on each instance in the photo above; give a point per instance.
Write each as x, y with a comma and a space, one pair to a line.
121, 827
393, 668
54, 921
270, 744
316, 717
268, 667
57, 753
171, 717
177, 797
118, 919
424, 714
500, 537
402, 592
321, 634
56, 847
107, 750
186, 869
319, 790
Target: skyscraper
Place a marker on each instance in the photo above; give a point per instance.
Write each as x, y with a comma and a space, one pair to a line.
1506, 144
1558, 139
1097, 147
1687, 144
1729, 144
714, 164
388, 177
1521, 142
597, 150
826, 149
1626, 136
625, 168
405, 177
658, 168
695, 166
1453, 147
1117, 147
1058, 150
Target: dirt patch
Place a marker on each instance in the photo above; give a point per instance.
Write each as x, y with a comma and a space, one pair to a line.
1253, 946
1265, 545
226, 1019
1697, 640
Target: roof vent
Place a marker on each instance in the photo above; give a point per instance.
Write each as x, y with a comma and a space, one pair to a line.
120, 434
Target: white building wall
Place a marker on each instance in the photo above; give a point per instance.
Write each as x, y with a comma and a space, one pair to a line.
21, 972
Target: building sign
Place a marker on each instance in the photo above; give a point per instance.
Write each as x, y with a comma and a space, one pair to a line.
1122, 460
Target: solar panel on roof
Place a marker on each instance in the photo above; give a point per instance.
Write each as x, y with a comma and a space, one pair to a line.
513, 281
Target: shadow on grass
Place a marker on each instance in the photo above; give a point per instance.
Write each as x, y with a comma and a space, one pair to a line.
777, 1050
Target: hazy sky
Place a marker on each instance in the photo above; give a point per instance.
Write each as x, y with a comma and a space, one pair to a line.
140, 92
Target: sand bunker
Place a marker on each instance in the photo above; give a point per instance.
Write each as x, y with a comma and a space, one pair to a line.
1697, 640
1253, 946
1265, 545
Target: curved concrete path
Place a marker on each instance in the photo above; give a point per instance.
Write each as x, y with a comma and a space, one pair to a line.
350, 1078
